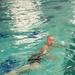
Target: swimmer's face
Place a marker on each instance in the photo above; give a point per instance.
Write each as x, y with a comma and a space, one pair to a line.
50, 40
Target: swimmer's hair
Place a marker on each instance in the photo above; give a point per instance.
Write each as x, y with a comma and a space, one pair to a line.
50, 36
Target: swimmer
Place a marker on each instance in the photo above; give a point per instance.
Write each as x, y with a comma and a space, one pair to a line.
34, 60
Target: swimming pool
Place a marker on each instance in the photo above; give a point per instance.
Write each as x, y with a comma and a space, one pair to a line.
24, 26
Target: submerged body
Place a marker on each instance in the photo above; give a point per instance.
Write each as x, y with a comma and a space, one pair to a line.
34, 60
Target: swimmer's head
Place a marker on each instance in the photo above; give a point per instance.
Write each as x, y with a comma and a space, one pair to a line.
50, 40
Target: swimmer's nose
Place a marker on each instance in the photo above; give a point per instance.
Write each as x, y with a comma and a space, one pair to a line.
52, 42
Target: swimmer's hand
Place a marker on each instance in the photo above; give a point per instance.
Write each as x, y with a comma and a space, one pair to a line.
52, 57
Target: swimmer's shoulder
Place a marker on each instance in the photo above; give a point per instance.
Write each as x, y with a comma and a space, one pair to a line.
44, 47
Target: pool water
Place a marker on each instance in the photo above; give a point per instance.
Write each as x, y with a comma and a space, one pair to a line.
24, 26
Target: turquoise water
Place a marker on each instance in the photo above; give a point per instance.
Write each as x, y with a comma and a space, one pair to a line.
24, 26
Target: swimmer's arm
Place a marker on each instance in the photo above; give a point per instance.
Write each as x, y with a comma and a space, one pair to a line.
51, 57
59, 45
